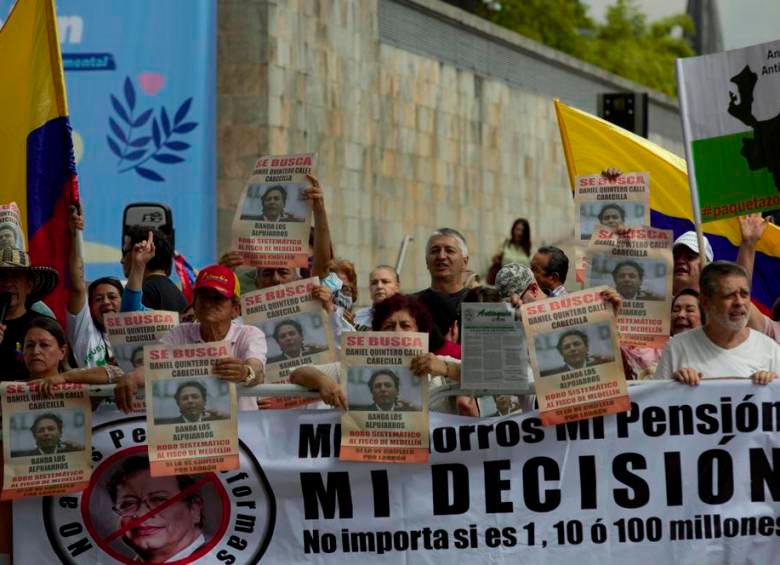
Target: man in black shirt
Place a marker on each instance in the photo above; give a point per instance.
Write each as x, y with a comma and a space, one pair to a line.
446, 255
24, 284
159, 292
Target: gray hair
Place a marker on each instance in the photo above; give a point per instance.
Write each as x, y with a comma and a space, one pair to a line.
448, 232
713, 272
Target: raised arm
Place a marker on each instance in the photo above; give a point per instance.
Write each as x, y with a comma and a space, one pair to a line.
752, 229
142, 253
78, 285
322, 243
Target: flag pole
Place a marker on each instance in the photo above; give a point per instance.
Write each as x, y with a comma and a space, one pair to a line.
689, 162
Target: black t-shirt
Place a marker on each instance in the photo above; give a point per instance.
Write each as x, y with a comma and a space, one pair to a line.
443, 306
11, 362
159, 293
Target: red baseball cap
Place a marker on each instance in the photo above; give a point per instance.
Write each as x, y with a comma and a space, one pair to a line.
219, 278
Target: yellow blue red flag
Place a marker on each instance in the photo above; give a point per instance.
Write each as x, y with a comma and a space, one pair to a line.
36, 151
592, 145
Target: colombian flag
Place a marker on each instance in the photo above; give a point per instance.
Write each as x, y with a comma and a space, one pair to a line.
36, 151
592, 145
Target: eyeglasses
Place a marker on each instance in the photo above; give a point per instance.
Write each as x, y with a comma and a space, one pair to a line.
131, 505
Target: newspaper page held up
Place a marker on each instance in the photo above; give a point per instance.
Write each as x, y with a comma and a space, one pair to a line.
637, 262
192, 414
578, 369
495, 351
272, 222
47, 440
387, 418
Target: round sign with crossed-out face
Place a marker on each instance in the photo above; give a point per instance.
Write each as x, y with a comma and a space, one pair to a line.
127, 516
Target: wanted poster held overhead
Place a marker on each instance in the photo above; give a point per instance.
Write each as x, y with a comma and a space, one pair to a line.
616, 203
730, 110
578, 368
272, 221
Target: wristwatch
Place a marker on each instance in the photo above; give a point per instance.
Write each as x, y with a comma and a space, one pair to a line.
250, 377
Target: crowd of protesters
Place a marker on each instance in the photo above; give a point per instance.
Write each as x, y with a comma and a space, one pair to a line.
716, 330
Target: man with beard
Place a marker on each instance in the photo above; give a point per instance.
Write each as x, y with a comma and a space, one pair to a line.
628, 277
88, 304
550, 266
724, 346
687, 262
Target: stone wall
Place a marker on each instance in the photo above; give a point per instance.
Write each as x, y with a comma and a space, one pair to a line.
408, 140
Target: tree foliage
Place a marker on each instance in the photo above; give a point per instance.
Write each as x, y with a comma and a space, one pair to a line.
625, 44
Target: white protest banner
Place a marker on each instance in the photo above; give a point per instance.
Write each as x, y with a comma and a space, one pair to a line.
689, 475
387, 418
729, 112
495, 352
46, 439
11, 234
623, 201
272, 221
297, 330
192, 413
578, 369
637, 262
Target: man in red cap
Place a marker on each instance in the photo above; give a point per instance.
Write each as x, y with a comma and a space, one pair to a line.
216, 305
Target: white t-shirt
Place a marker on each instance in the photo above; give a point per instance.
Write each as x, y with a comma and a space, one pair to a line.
694, 350
90, 346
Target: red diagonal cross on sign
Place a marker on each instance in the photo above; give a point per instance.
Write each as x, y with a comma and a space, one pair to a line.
154, 511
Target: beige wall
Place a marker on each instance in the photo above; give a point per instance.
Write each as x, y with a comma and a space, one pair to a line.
406, 143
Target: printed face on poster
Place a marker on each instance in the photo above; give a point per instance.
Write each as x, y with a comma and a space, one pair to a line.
570, 349
297, 328
274, 202
46, 439
633, 278
47, 432
272, 222
199, 399
383, 389
615, 214
637, 262
616, 203
124, 497
576, 357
